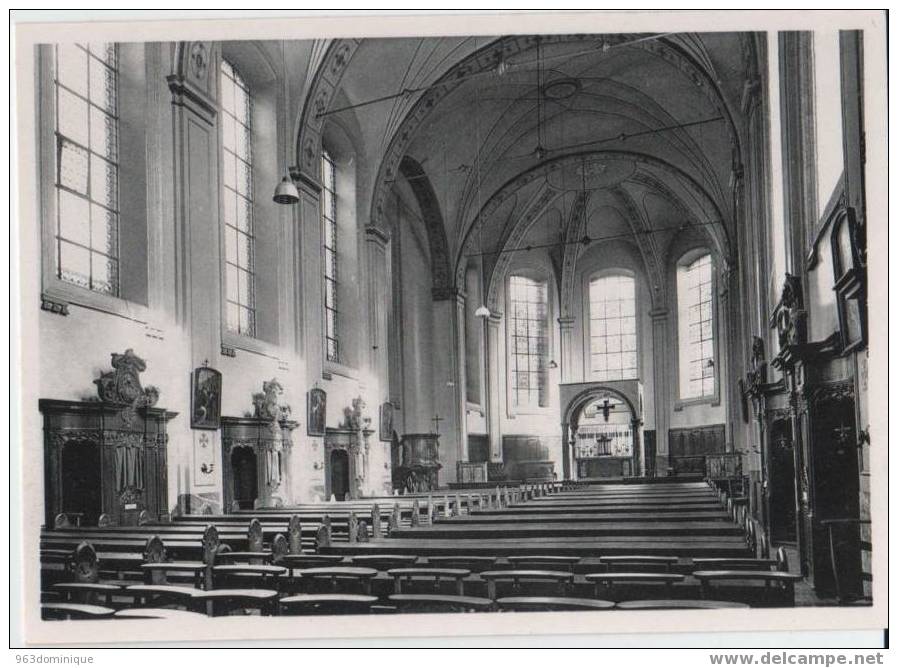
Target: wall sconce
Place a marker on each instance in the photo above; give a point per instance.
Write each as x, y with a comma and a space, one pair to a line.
318, 466
553, 364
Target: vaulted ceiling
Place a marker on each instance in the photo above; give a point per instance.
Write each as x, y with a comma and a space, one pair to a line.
528, 139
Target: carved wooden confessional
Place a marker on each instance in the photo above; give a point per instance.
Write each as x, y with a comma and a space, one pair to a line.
107, 456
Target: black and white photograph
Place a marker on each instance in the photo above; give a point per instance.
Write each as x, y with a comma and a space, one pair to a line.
579, 306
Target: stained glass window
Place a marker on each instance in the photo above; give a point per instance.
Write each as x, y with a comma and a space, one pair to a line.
329, 216
87, 208
612, 327
237, 185
696, 314
528, 300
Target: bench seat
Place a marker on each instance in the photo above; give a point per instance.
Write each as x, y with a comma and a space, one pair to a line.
473, 563
537, 560
541, 603
606, 581
335, 573
456, 574
785, 580
74, 611
516, 576
263, 600
310, 604
678, 604
725, 563
639, 560
159, 613
383, 562
440, 603
87, 589
147, 592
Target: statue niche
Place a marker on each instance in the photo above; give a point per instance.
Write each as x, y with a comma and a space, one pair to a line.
256, 452
107, 456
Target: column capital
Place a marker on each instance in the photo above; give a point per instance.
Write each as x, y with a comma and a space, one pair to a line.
187, 94
305, 180
567, 321
659, 313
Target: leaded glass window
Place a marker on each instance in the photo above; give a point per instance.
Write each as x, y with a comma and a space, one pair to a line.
528, 301
612, 327
237, 192
696, 312
329, 217
87, 167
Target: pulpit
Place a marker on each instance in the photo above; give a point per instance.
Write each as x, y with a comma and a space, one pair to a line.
419, 463
107, 456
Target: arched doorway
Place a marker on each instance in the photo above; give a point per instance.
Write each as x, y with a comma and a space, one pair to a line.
244, 473
339, 474
601, 430
603, 438
81, 481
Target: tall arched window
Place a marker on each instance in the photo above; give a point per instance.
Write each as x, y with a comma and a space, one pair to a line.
87, 211
237, 184
612, 327
529, 341
329, 218
695, 318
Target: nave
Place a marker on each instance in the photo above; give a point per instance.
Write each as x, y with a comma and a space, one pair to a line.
449, 302
551, 546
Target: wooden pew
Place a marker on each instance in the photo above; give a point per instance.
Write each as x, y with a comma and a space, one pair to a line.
786, 581
326, 604
545, 603
440, 603
604, 582
75, 611
334, 574
562, 578
458, 575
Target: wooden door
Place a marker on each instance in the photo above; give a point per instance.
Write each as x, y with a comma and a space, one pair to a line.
82, 481
244, 474
339, 474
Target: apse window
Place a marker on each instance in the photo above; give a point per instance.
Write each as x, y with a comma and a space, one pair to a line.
329, 217
237, 192
612, 327
528, 299
87, 218
696, 327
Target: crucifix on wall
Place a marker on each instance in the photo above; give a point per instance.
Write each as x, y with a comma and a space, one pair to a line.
606, 408
436, 419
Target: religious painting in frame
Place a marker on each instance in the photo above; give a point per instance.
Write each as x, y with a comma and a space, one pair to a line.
386, 421
205, 399
316, 414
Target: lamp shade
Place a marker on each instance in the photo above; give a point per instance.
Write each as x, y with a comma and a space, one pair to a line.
286, 192
482, 311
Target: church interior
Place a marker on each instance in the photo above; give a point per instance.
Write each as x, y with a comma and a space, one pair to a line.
526, 322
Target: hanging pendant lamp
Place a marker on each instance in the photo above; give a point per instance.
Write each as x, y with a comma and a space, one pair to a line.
286, 191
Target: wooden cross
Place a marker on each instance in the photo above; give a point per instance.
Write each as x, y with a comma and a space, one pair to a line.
436, 423
606, 408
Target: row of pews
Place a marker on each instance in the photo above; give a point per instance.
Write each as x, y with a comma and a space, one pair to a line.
551, 547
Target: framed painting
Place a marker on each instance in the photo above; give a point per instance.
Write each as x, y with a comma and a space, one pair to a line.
316, 412
386, 421
205, 399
